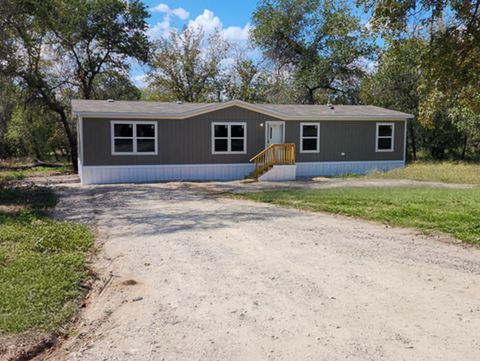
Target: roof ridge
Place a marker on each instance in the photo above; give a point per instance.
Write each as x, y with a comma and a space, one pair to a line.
173, 110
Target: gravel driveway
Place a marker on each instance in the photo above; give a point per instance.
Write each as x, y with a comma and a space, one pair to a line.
187, 275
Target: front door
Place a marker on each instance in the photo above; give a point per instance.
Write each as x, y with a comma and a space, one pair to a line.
275, 133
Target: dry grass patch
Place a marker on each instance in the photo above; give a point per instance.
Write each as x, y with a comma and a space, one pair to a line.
448, 172
452, 211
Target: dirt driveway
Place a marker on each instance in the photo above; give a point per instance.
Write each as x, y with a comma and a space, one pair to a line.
223, 279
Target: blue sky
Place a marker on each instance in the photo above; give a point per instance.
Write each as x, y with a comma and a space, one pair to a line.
231, 17
231, 13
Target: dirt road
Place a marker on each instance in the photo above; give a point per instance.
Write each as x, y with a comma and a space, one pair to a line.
190, 276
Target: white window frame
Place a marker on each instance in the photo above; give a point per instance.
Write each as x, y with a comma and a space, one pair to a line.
377, 137
229, 137
133, 137
309, 137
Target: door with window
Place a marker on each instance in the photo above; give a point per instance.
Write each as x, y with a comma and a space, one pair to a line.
275, 133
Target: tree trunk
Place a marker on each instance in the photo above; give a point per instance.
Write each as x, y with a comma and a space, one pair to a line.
413, 142
464, 149
54, 151
310, 96
72, 141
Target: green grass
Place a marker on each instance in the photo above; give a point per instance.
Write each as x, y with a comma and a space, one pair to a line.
10, 176
448, 172
9, 172
452, 211
42, 262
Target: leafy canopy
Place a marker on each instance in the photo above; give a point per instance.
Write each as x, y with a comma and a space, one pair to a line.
320, 42
186, 65
56, 49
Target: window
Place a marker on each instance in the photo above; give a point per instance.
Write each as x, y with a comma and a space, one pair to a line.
384, 140
229, 138
309, 137
134, 137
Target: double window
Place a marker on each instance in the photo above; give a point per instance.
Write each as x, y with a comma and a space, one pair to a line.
129, 137
229, 138
384, 138
309, 137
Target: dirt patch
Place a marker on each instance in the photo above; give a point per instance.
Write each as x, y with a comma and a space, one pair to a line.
11, 208
129, 283
230, 279
26, 346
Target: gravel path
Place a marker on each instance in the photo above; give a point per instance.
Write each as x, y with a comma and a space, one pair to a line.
186, 275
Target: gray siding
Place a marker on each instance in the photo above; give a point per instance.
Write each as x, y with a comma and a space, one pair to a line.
354, 138
189, 141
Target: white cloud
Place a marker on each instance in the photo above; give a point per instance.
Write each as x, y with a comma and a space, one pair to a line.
236, 34
181, 13
140, 80
163, 27
209, 22
160, 29
160, 8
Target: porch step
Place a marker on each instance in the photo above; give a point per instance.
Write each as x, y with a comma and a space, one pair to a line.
275, 155
280, 173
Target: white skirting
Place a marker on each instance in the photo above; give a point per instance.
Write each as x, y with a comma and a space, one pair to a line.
313, 169
205, 172
279, 173
155, 173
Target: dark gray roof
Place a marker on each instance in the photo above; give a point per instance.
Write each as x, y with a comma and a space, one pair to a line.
105, 108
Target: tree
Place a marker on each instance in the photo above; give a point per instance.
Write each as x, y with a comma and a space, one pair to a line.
57, 48
247, 82
452, 71
114, 85
186, 65
318, 41
8, 96
396, 85
35, 132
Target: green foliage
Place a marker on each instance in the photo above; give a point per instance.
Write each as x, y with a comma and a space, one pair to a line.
7, 177
42, 262
114, 85
55, 49
95, 36
34, 131
397, 84
247, 82
453, 211
394, 84
319, 41
451, 70
8, 98
182, 70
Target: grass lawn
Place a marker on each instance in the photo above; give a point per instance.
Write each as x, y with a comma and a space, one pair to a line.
42, 261
452, 211
468, 173
8, 175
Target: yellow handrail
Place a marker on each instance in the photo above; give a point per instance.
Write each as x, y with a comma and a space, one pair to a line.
263, 152
274, 154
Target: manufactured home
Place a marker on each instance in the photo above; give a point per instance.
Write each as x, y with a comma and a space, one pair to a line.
134, 141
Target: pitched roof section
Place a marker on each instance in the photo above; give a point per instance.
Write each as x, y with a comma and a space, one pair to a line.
164, 110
